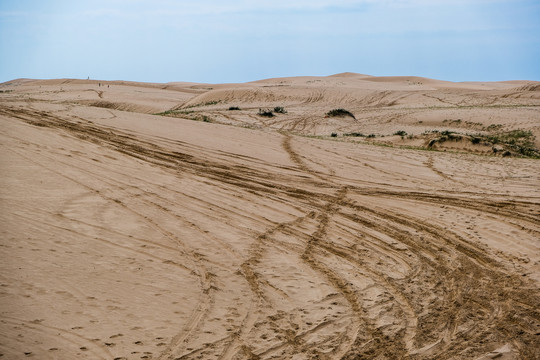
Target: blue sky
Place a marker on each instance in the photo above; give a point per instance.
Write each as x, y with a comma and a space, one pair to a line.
241, 40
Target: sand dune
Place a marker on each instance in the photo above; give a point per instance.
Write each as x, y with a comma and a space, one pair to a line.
209, 233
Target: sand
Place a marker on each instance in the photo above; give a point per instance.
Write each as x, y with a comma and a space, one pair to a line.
209, 233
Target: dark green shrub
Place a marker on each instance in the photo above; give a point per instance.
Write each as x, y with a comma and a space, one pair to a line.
280, 110
234, 108
265, 112
333, 135
340, 113
521, 141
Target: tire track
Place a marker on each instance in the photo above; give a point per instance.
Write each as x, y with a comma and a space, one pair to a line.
451, 300
205, 279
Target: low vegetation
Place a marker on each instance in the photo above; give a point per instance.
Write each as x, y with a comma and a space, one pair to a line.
265, 113
232, 108
203, 104
175, 113
514, 142
280, 110
186, 114
167, 113
340, 113
518, 141
355, 134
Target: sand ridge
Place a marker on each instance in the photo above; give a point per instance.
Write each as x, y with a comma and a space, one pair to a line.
130, 235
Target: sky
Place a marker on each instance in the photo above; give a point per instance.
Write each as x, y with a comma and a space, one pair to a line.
214, 41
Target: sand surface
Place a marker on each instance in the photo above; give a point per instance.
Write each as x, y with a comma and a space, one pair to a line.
209, 233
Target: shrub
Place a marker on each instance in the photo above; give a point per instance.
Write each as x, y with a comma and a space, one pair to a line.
356, 134
493, 127
449, 135
521, 141
280, 110
401, 133
340, 113
265, 112
333, 135
234, 108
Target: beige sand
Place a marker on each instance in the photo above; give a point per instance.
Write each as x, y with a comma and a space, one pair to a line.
127, 235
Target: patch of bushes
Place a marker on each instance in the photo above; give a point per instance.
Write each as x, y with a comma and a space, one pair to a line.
340, 113
280, 110
449, 135
167, 113
186, 115
265, 113
173, 113
446, 135
232, 108
493, 127
204, 104
355, 134
215, 102
333, 135
401, 133
458, 121
516, 141
520, 141
511, 137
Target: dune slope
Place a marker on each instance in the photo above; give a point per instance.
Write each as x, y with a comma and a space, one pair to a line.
128, 235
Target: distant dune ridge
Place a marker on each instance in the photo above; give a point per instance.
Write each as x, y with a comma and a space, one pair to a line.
481, 115
341, 217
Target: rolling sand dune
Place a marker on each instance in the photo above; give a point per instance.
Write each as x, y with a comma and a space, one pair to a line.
149, 221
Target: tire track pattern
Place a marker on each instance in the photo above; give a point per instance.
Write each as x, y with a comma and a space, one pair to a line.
397, 286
